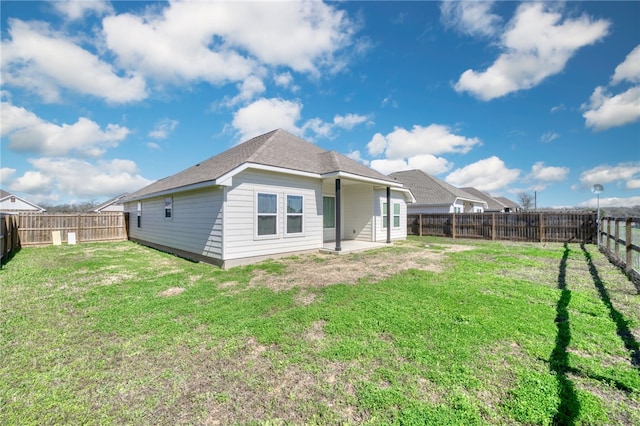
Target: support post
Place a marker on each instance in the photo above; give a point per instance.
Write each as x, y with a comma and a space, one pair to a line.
338, 217
420, 225
628, 243
388, 214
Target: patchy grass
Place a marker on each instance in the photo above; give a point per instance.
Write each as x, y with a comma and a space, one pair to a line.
429, 331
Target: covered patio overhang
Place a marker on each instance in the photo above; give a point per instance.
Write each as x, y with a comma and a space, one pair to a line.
340, 180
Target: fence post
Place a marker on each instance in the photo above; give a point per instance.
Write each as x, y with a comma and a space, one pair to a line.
628, 245
609, 235
420, 225
541, 226
616, 241
493, 226
453, 226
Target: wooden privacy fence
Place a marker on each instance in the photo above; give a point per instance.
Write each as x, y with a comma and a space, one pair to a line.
9, 241
37, 228
552, 227
621, 242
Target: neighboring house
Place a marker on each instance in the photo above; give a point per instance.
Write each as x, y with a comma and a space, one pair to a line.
435, 196
12, 204
113, 205
275, 194
509, 206
493, 204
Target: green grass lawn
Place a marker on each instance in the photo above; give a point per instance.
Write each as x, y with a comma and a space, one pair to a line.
499, 333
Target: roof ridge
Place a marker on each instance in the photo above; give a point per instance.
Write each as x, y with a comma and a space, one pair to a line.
263, 144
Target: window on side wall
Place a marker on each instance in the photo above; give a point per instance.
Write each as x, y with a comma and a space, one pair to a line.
266, 214
295, 215
168, 207
396, 215
139, 214
328, 212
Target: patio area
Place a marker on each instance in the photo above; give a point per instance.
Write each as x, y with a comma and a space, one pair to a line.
351, 246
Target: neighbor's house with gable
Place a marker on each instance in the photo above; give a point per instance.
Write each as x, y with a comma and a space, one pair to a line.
436, 196
273, 195
12, 204
495, 204
113, 205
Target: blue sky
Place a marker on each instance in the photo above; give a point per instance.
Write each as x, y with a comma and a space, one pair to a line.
101, 98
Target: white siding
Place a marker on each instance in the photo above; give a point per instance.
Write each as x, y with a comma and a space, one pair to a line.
357, 217
16, 205
380, 197
240, 239
196, 225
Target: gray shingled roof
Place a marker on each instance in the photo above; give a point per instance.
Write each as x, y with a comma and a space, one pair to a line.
507, 202
493, 203
277, 148
429, 190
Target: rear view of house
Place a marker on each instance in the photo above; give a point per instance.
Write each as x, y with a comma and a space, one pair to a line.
273, 195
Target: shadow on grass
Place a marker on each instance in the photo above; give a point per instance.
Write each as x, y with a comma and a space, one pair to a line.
569, 407
622, 325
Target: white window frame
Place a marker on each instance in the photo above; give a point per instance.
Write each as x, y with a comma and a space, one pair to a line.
393, 215
287, 215
168, 208
256, 214
139, 214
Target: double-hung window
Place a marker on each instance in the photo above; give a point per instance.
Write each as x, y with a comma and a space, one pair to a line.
267, 214
139, 214
295, 214
396, 215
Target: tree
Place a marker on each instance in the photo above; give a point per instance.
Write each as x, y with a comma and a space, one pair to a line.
525, 199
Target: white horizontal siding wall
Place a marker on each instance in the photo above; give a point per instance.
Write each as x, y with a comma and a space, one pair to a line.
240, 234
380, 197
357, 215
195, 225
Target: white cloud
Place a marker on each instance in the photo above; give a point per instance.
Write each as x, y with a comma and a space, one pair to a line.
549, 136
74, 10
31, 182
79, 178
606, 174
163, 128
40, 60
28, 133
356, 156
386, 166
629, 69
536, 45
5, 175
153, 145
548, 173
427, 163
247, 91
611, 202
470, 17
488, 175
265, 115
349, 121
633, 184
433, 139
284, 79
227, 41
605, 111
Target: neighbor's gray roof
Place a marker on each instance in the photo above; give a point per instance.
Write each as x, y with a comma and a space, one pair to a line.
507, 202
277, 148
429, 190
493, 204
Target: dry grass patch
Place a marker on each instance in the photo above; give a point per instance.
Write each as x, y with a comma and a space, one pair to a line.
321, 270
